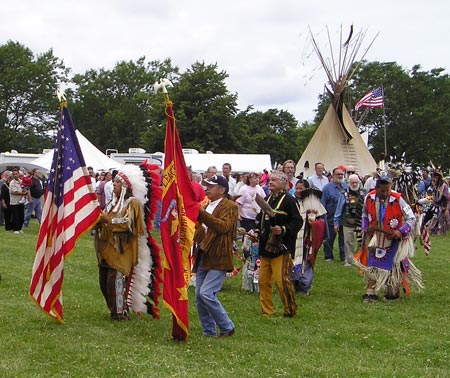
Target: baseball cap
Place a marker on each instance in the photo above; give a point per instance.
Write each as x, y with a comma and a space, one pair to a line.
217, 180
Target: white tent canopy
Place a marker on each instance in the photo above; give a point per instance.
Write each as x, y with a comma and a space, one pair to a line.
16, 159
238, 162
93, 157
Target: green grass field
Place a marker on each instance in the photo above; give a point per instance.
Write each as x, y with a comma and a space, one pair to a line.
334, 334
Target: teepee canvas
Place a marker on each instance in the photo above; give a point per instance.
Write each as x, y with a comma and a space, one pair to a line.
337, 140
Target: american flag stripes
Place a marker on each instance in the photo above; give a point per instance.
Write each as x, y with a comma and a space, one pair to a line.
425, 239
372, 99
70, 209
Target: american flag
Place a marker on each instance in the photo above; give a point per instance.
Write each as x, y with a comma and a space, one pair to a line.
425, 239
372, 99
70, 209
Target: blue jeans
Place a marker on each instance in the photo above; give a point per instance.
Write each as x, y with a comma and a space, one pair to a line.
329, 242
37, 207
210, 311
157, 221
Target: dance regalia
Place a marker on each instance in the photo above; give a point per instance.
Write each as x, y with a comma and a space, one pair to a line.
309, 239
250, 271
128, 256
118, 239
387, 261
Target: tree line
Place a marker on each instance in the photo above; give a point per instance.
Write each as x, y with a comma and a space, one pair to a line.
116, 109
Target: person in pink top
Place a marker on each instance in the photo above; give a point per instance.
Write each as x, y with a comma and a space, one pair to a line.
248, 209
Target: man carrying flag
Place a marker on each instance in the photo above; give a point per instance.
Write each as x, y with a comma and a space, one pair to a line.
178, 215
215, 232
372, 99
70, 209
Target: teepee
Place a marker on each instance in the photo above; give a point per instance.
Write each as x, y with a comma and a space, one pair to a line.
337, 140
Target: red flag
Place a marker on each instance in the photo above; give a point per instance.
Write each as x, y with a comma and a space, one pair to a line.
178, 217
70, 209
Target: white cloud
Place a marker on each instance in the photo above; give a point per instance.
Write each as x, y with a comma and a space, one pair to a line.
262, 44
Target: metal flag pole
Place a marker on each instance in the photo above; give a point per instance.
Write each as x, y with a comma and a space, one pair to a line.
384, 123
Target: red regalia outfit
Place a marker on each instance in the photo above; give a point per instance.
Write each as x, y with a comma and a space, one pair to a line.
386, 262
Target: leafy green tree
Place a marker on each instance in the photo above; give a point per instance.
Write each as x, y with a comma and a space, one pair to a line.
273, 132
116, 109
206, 110
28, 105
305, 134
208, 119
416, 111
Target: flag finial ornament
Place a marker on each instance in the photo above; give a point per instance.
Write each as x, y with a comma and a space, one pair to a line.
162, 85
61, 97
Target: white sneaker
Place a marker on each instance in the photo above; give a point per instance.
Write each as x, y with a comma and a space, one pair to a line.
347, 264
16, 232
20, 232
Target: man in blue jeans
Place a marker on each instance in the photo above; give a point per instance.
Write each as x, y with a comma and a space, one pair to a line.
35, 199
213, 255
331, 193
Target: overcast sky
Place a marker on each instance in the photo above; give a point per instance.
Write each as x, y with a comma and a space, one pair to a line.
264, 45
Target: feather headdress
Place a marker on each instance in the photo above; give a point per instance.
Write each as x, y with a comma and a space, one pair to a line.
404, 178
144, 281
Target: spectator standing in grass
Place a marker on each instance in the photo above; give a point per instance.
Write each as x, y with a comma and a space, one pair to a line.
226, 172
101, 190
424, 184
241, 181
210, 172
93, 178
289, 170
17, 195
318, 180
5, 200
3, 179
331, 195
248, 208
35, 198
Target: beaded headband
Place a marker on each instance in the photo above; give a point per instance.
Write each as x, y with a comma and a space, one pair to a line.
124, 180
